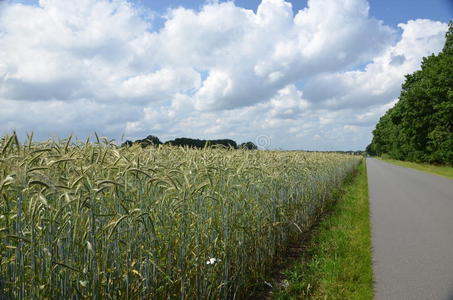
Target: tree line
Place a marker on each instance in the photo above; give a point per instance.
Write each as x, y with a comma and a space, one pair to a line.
152, 140
420, 126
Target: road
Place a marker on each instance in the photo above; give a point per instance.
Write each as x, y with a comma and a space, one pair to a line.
412, 233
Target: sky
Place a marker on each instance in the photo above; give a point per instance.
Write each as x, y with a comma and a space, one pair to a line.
312, 75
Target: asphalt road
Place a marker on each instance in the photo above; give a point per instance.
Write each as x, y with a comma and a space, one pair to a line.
412, 233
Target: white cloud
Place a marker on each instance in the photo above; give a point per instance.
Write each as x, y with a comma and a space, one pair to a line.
263, 52
381, 79
288, 103
160, 85
221, 71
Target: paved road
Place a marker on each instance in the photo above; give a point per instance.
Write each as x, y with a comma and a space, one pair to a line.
412, 233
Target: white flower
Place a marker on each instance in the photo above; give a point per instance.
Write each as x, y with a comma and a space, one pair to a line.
83, 283
212, 261
8, 179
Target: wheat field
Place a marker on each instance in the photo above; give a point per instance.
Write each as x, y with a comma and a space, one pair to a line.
90, 220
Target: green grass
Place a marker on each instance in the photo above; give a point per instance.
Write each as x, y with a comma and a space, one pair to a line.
444, 171
337, 261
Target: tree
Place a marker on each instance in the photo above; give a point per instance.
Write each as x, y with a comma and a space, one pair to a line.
150, 140
127, 143
248, 146
196, 143
420, 126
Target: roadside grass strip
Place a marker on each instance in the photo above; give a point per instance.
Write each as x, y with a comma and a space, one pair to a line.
336, 263
444, 171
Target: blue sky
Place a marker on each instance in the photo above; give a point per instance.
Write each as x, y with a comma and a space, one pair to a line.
390, 11
317, 79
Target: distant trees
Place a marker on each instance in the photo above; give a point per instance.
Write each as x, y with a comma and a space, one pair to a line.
369, 150
420, 126
152, 140
248, 146
196, 143
127, 143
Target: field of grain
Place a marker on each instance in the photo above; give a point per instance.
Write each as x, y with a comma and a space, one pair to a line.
91, 220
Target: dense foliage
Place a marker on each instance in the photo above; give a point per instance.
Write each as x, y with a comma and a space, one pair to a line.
152, 140
200, 144
84, 220
248, 146
420, 126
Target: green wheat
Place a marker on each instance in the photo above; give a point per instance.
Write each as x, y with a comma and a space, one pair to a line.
91, 220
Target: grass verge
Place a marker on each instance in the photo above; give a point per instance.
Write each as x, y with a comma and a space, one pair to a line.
444, 171
336, 263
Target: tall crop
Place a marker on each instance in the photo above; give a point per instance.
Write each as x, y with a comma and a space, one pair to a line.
90, 220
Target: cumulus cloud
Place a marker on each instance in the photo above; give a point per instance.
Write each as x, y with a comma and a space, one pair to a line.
318, 78
381, 79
